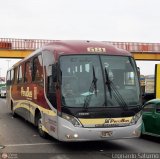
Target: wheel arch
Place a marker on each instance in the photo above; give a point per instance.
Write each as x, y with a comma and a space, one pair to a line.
11, 105
36, 116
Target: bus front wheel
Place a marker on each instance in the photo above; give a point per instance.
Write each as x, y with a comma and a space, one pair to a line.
41, 132
13, 113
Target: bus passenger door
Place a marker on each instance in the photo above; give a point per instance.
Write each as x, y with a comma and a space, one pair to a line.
50, 90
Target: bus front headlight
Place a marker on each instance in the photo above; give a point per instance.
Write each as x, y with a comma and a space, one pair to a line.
135, 118
72, 120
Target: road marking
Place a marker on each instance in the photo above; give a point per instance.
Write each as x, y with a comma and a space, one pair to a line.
35, 144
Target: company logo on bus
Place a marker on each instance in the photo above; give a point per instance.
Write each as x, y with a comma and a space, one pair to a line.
108, 120
26, 93
114, 121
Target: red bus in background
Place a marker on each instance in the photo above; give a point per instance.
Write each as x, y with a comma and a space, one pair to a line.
77, 91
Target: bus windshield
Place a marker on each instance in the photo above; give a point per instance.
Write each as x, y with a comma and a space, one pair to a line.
99, 81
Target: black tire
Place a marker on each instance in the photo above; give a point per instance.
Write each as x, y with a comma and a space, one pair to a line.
13, 113
141, 135
142, 129
42, 133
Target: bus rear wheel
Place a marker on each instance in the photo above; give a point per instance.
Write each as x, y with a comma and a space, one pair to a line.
41, 132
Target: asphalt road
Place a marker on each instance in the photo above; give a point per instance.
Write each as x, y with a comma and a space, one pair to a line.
19, 139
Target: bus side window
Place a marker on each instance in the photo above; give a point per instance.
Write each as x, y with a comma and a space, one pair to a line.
37, 69
27, 76
15, 75
12, 76
20, 78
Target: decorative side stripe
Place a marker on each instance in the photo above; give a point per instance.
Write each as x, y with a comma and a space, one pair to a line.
27, 104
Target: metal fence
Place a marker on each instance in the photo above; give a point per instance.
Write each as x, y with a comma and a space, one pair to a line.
22, 44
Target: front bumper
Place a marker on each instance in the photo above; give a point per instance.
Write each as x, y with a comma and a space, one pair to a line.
67, 132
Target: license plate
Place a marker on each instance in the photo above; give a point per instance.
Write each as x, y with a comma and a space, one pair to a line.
106, 133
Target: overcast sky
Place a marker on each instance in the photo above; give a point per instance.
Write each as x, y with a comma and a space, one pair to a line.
104, 20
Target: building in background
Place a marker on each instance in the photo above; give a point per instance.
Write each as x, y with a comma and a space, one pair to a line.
147, 87
150, 84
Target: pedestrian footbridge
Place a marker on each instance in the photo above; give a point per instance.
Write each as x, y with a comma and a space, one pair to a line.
20, 48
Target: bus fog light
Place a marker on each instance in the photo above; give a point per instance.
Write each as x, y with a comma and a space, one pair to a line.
68, 136
75, 135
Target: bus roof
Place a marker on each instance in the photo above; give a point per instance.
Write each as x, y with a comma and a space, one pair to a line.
84, 47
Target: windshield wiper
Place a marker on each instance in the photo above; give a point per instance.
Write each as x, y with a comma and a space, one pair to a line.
108, 82
117, 95
92, 90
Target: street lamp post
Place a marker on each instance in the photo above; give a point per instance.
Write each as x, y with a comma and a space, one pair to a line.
8, 63
0, 76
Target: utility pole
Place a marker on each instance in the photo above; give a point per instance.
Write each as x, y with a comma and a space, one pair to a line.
8, 63
0, 76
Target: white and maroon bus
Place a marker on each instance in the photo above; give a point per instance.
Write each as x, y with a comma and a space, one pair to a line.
77, 91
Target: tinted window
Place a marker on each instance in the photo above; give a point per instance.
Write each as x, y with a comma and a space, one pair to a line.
28, 76
37, 69
20, 74
15, 76
98, 80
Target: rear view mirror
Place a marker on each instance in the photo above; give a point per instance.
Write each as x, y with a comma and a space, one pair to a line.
138, 70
